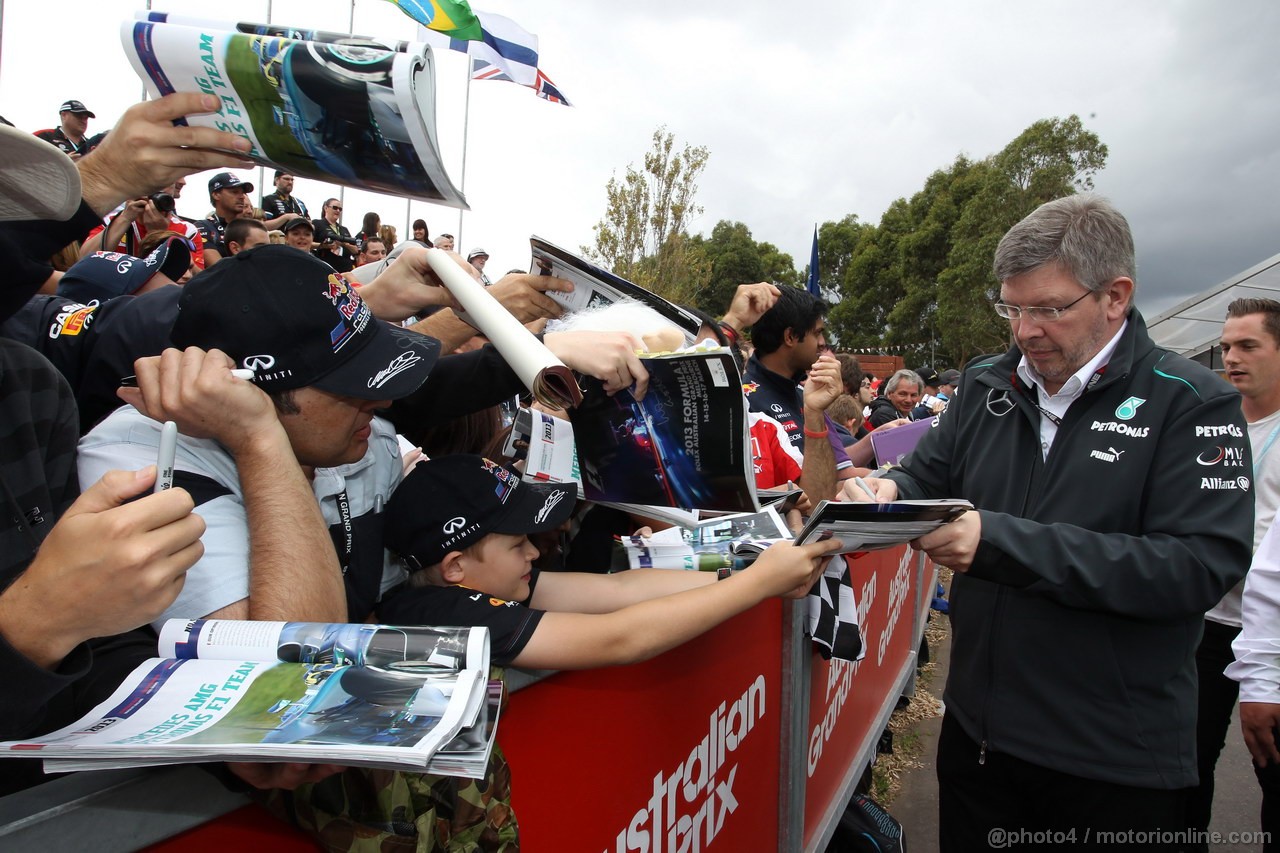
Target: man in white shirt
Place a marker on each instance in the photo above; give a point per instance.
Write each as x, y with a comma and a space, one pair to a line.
1251, 358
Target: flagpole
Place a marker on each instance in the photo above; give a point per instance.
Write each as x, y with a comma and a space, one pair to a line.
466, 123
351, 28
262, 170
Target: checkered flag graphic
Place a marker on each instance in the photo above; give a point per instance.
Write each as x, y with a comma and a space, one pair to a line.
833, 613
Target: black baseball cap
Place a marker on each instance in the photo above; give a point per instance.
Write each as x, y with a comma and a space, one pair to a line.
296, 223
106, 275
951, 376
75, 107
928, 375
226, 180
452, 502
294, 321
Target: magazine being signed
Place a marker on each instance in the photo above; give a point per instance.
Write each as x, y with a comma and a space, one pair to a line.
371, 695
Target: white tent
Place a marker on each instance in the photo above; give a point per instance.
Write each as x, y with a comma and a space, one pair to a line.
1193, 327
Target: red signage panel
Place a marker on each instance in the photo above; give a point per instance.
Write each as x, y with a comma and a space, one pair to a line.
846, 698
673, 755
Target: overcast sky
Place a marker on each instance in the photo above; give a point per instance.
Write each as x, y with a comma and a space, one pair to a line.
811, 111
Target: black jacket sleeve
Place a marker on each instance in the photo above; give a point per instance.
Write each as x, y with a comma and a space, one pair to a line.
458, 385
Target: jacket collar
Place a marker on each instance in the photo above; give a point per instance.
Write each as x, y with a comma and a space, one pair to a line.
757, 366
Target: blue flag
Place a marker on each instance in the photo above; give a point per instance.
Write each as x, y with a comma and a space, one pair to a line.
814, 286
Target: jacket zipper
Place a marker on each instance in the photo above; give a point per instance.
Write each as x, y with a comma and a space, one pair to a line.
995, 619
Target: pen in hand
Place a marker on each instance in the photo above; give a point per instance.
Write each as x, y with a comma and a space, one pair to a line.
243, 373
165, 457
862, 484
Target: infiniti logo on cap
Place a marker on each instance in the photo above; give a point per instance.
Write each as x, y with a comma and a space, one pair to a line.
260, 362
453, 525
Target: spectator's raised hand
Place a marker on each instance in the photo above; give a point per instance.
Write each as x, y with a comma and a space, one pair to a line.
525, 296
409, 285
750, 302
134, 210
608, 356
791, 570
146, 152
823, 385
893, 424
195, 388
521, 293
886, 491
106, 567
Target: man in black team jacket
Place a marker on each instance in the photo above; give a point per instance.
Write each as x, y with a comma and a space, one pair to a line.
77, 570
1100, 537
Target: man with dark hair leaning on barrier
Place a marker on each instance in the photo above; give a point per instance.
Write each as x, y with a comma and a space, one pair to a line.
76, 569
788, 336
1096, 545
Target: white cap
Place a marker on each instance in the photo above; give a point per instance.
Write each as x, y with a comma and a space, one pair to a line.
38, 181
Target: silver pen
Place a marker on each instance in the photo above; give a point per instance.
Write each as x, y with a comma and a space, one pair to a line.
862, 484
165, 457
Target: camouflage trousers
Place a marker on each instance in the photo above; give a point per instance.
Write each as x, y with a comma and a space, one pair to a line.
387, 811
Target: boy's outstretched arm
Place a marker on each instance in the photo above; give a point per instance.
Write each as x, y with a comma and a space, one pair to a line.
647, 628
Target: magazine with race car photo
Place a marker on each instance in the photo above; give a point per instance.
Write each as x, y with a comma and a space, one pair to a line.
408, 698
685, 444
344, 109
594, 286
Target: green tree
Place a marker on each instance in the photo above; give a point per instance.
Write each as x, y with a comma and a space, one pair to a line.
736, 258
643, 236
734, 261
778, 267
921, 280
837, 242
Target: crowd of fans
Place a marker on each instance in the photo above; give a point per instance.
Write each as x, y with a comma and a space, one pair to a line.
277, 510
324, 488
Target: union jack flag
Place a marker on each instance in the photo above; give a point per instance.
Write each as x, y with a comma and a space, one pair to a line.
542, 85
546, 89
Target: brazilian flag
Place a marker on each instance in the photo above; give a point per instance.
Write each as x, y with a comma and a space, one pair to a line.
454, 18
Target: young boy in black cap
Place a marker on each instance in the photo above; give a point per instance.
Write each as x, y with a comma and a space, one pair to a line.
461, 523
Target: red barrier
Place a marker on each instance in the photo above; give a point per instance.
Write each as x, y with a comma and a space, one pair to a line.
847, 700
683, 753
676, 753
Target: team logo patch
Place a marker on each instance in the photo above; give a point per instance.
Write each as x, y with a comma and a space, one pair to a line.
72, 321
355, 314
506, 480
1122, 429
750, 388
1224, 484
1126, 410
1227, 457
1216, 431
258, 363
453, 525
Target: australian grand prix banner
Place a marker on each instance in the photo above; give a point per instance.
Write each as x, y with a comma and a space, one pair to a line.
679, 753
845, 699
